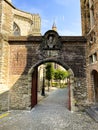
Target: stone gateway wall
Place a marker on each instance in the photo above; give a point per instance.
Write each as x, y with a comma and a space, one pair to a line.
29, 52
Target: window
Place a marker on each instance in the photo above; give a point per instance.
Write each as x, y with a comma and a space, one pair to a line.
93, 58
90, 59
16, 30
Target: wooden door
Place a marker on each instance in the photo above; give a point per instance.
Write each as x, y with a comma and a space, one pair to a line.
34, 88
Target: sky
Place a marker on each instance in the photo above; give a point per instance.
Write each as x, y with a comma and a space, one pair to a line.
65, 13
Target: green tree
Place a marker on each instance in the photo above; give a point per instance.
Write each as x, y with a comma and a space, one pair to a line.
60, 75
49, 73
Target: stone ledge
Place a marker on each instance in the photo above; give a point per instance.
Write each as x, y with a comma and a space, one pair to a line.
39, 38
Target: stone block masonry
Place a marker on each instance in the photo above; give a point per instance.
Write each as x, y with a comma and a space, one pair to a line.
4, 101
20, 55
26, 52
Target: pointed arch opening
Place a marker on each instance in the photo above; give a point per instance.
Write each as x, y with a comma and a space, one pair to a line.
16, 30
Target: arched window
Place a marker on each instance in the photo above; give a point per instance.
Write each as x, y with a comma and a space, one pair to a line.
16, 30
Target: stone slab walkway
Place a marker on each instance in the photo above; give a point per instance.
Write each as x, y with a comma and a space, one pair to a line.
50, 114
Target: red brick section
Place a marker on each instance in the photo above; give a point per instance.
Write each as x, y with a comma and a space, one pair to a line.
18, 59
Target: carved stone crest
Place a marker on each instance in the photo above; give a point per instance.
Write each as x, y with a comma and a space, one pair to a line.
51, 41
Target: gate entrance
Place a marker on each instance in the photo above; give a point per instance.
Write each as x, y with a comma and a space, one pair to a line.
27, 53
60, 78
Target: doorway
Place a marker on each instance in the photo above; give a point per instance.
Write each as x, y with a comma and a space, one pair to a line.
40, 82
95, 82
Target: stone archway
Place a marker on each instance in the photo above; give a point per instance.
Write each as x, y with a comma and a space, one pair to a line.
95, 84
31, 52
34, 86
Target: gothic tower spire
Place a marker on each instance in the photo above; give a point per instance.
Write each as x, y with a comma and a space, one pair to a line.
54, 27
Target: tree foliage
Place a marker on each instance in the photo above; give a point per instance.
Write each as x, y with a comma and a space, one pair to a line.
49, 71
60, 74
56, 74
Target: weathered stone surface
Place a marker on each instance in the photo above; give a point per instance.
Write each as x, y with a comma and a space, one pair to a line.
19, 55
4, 101
8, 16
29, 54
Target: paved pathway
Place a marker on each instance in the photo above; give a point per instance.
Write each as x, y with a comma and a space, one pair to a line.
49, 114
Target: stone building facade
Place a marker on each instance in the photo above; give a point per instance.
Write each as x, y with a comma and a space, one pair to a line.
32, 52
23, 50
89, 13
13, 22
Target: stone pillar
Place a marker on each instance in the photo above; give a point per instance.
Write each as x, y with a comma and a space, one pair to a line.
6, 17
4, 65
80, 93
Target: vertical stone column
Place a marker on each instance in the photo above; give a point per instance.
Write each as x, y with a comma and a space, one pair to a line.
36, 24
80, 93
83, 17
7, 17
4, 55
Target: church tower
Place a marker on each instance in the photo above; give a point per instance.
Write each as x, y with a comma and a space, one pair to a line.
54, 27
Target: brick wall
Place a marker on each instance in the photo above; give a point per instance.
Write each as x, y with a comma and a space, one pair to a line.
92, 44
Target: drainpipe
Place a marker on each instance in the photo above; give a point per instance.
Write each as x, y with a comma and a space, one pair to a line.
69, 102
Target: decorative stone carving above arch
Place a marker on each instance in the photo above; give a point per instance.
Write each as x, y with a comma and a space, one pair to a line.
51, 41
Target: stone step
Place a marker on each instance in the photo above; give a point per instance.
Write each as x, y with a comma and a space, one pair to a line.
93, 112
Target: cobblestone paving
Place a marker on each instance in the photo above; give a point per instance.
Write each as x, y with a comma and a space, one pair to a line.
49, 114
